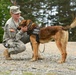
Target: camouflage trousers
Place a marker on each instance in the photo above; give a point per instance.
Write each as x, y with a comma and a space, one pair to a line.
14, 46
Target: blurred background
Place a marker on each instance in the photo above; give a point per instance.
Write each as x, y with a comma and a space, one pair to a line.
42, 12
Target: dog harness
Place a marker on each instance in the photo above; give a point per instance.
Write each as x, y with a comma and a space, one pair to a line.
34, 31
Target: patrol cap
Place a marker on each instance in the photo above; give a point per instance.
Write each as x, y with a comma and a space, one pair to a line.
15, 10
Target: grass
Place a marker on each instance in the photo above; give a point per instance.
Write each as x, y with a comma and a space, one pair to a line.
25, 73
5, 73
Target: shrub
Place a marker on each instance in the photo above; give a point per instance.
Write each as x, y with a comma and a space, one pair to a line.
1, 34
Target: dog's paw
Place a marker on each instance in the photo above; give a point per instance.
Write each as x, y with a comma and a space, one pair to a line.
40, 58
9, 58
61, 61
33, 59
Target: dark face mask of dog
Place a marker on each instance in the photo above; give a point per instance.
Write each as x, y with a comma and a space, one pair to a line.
30, 25
22, 23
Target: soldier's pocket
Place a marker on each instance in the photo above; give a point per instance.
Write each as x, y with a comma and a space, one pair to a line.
6, 45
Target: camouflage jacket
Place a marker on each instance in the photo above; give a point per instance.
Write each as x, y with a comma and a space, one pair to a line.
12, 35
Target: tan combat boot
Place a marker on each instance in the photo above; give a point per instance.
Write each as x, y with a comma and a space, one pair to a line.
6, 55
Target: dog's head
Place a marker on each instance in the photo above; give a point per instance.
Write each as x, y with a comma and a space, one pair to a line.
30, 25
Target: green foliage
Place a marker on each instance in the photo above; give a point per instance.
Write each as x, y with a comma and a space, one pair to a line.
4, 15
43, 12
73, 34
50, 12
4, 11
1, 34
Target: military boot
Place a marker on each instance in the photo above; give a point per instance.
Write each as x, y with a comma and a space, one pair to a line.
7, 55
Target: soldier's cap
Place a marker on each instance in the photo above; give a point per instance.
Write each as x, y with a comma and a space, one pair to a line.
15, 9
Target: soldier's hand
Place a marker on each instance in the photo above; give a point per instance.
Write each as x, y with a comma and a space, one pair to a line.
24, 29
12, 30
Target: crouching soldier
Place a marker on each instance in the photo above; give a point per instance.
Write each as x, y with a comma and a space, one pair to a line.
12, 38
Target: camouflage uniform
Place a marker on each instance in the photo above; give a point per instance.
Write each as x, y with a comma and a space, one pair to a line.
14, 41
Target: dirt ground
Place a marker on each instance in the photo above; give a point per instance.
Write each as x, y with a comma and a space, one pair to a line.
21, 64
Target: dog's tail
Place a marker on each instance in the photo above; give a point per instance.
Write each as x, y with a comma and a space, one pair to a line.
72, 25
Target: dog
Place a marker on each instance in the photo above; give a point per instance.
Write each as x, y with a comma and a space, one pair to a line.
45, 34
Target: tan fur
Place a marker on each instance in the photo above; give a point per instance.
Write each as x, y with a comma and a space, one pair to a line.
57, 33
73, 24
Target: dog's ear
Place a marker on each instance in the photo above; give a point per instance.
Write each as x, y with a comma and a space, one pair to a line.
33, 26
23, 23
28, 22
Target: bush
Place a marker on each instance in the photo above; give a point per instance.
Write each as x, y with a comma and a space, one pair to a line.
1, 34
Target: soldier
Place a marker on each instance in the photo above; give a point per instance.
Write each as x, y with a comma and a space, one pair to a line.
13, 39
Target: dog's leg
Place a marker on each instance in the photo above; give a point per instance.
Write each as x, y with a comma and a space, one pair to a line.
35, 48
62, 48
61, 39
35, 51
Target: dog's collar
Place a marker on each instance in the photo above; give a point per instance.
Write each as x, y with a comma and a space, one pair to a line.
29, 25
